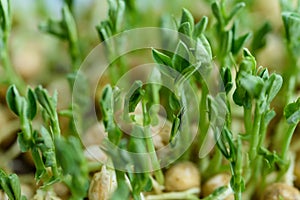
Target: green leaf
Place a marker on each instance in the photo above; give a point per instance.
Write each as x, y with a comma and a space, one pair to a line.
175, 129
69, 24
203, 52
264, 74
241, 97
180, 59
186, 74
269, 116
15, 185
5, 14
55, 28
161, 58
248, 64
239, 43
200, 27
10, 184
292, 112
274, 84
23, 142
252, 84
226, 42
235, 10
13, 99
176, 125
107, 106
47, 102
104, 30
5, 185
227, 79
70, 157
259, 37
48, 149
134, 96
270, 157
187, 17
216, 9
174, 102
32, 106
165, 63
292, 28
185, 28
38, 162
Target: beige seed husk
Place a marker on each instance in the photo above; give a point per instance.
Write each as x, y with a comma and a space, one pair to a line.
182, 176
103, 184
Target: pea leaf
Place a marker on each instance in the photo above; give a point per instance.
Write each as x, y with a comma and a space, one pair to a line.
203, 52
165, 63
5, 13
259, 37
55, 28
227, 79
187, 17
291, 21
180, 59
107, 105
174, 102
69, 24
13, 99
248, 64
273, 84
134, 96
216, 9
71, 159
10, 185
32, 106
200, 27
15, 185
292, 112
226, 42
235, 10
269, 116
161, 58
264, 74
252, 84
239, 42
5, 185
185, 28
47, 102
38, 162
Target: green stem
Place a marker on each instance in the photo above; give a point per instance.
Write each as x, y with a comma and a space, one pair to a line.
55, 127
238, 170
189, 194
287, 140
203, 124
10, 74
248, 120
262, 131
150, 146
255, 134
75, 55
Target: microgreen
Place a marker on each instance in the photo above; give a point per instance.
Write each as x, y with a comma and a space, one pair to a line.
108, 28
10, 76
248, 95
48, 148
11, 186
66, 30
